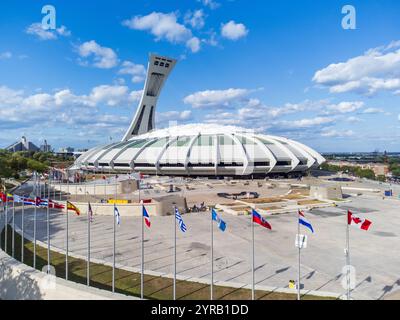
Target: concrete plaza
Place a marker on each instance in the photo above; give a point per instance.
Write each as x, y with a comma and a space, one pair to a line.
373, 253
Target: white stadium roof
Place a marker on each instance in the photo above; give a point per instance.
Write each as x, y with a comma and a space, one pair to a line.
195, 149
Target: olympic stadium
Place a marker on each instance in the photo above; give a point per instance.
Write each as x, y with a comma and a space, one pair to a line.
194, 149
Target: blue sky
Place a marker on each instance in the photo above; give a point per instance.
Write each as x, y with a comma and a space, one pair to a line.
282, 67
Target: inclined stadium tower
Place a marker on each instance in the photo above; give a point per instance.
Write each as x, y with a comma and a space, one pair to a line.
194, 149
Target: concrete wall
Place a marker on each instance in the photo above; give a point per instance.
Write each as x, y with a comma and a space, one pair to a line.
160, 206
326, 192
92, 189
20, 282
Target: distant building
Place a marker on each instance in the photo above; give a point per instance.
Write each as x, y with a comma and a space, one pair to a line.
45, 147
66, 150
379, 169
22, 145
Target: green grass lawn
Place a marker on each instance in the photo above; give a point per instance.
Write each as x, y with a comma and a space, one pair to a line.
128, 283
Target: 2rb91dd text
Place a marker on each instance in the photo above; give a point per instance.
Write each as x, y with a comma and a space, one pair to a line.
211, 309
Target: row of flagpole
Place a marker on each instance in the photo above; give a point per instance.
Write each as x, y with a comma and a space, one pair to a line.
178, 221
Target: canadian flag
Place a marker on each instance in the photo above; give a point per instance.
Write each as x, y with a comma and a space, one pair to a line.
363, 224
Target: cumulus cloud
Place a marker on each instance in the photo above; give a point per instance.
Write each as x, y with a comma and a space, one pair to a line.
195, 19
331, 133
36, 29
102, 57
344, 107
234, 31
212, 98
373, 111
306, 123
193, 44
376, 70
5, 55
164, 26
210, 4
137, 71
179, 116
21, 106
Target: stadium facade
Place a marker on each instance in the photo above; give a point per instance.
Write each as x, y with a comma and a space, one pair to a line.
194, 149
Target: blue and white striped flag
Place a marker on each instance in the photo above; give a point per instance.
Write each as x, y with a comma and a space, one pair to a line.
178, 217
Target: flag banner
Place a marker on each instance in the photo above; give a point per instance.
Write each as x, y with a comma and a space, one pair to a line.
6, 197
257, 218
178, 217
146, 217
17, 198
55, 205
117, 215
303, 221
38, 201
29, 202
90, 212
221, 223
361, 223
72, 207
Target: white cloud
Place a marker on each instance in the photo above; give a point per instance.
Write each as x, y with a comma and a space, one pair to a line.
103, 57
306, 123
233, 30
161, 25
137, 71
212, 98
344, 107
193, 44
210, 3
37, 30
5, 55
353, 119
180, 116
9, 96
195, 19
337, 134
20, 103
164, 26
376, 70
373, 111
255, 108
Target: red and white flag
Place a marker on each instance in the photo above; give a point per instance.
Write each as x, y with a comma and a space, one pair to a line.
362, 223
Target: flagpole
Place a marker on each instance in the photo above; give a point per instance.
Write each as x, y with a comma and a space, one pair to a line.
142, 260
212, 258
67, 183
23, 231
66, 247
34, 224
13, 230
6, 225
252, 263
299, 251
2, 204
48, 227
348, 256
88, 248
174, 292
114, 218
